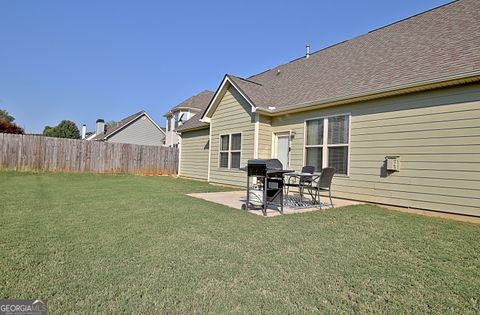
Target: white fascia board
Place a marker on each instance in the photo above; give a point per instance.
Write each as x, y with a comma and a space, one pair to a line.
90, 137
153, 121
239, 90
223, 86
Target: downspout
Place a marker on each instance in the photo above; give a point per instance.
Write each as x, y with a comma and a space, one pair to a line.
209, 150
179, 155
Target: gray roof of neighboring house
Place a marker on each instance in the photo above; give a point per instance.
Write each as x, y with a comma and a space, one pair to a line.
199, 101
122, 124
437, 44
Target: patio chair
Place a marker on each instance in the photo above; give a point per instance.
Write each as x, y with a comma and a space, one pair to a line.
324, 183
301, 182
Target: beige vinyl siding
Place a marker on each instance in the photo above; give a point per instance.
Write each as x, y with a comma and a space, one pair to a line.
194, 154
141, 131
264, 137
435, 133
233, 115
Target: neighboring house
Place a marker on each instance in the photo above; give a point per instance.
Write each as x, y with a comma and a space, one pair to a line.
184, 111
138, 128
410, 90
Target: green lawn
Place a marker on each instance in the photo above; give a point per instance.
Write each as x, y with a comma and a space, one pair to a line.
104, 244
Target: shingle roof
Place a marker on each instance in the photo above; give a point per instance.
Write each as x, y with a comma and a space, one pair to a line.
440, 43
197, 101
193, 123
256, 92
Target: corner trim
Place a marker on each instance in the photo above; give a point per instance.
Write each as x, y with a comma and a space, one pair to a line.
256, 135
209, 152
179, 155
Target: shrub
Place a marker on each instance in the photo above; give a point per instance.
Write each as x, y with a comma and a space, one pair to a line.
8, 127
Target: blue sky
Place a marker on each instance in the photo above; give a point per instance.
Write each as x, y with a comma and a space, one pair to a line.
83, 60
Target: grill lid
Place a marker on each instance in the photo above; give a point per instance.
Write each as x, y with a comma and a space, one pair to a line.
270, 164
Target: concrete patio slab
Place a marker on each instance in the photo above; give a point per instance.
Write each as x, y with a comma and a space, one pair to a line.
235, 199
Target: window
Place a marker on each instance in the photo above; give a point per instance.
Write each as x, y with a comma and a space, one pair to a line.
182, 117
176, 118
230, 150
327, 143
169, 123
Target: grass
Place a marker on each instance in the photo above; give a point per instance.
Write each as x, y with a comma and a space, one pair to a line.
106, 244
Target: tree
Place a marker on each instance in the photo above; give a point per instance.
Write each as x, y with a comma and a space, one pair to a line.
5, 116
8, 127
65, 129
49, 131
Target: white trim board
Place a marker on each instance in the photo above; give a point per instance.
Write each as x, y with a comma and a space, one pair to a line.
218, 96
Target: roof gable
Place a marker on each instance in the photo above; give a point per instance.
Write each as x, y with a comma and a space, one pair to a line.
227, 82
124, 123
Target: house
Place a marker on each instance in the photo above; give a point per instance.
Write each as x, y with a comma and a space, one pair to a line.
396, 111
183, 112
138, 128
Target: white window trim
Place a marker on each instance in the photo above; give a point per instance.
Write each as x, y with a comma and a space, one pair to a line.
229, 151
325, 144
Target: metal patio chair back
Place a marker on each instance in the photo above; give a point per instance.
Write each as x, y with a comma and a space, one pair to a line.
308, 169
301, 183
324, 183
325, 180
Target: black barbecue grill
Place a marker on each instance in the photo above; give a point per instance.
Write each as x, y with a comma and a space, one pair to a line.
268, 186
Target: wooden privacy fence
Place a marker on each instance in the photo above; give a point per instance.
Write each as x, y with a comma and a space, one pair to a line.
22, 152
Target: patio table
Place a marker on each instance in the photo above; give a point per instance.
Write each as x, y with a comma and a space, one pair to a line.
301, 179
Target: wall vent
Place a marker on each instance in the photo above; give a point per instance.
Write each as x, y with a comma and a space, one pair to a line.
393, 163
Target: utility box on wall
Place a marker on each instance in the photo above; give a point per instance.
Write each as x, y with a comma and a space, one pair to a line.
393, 163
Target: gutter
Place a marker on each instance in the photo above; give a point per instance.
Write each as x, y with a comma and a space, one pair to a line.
193, 129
